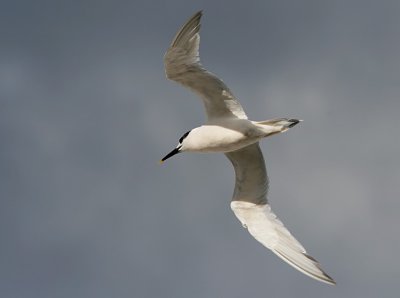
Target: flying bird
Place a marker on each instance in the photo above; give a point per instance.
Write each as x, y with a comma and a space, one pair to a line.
228, 130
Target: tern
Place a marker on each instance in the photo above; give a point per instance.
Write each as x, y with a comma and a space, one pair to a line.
228, 130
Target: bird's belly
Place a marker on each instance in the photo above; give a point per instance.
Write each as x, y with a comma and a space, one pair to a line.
226, 140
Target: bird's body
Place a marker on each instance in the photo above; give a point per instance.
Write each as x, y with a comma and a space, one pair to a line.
228, 130
230, 134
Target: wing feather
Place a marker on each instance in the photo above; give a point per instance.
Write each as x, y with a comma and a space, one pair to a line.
249, 203
182, 65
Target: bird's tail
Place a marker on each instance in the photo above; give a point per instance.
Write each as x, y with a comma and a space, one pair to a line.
277, 125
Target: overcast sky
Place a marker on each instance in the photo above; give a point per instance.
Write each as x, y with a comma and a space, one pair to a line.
86, 113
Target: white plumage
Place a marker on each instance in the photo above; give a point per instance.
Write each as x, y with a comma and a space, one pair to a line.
228, 130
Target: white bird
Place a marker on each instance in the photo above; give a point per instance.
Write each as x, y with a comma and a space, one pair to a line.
228, 130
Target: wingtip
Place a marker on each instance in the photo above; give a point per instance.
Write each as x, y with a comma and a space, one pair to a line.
199, 14
327, 279
189, 29
331, 281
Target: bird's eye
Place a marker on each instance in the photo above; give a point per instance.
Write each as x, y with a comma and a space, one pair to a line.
184, 136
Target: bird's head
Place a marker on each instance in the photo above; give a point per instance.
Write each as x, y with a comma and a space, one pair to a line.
179, 148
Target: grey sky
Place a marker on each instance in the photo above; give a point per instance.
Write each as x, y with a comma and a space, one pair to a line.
86, 113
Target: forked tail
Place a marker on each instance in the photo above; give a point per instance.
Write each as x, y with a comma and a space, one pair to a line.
278, 125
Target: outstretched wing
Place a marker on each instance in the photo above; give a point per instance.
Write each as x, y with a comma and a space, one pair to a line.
182, 64
250, 206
